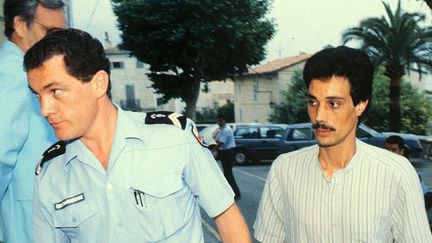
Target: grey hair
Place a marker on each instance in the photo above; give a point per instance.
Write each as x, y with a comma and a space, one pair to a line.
26, 9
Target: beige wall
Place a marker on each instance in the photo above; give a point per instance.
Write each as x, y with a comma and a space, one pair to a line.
131, 75
219, 92
254, 93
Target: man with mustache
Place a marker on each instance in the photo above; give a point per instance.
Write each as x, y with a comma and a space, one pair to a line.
342, 189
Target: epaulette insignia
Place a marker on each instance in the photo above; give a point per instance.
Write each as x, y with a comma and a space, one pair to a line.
52, 152
198, 137
166, 117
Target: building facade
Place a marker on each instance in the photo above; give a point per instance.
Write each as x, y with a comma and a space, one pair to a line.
130, 87
258, 90
217, 94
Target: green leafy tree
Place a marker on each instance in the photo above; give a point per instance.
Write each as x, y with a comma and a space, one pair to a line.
209, 115
227, 111
416, 107
400, 44
206, 116
187, 42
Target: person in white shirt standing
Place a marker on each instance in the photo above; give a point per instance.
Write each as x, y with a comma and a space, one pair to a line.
342, 189
226, 145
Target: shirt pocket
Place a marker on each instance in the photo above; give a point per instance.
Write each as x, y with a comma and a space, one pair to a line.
74, 217
156, 191
163, 204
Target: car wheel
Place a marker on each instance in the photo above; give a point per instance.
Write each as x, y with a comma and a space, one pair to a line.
241, 157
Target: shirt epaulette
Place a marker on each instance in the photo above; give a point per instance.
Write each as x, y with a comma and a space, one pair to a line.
52, 152
166, 117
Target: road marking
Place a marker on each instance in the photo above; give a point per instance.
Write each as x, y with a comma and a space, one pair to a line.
249, 174
211, 230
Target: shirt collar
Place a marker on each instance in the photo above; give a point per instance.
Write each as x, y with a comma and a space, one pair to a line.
129, 126
13, 47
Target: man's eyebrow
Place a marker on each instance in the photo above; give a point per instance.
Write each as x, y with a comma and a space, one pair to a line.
44, 87
335, 98
49, 85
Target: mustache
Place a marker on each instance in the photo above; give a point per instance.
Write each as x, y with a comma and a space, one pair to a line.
323, 126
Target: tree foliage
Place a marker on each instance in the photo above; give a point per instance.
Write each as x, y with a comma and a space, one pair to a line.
209, 115
398, 42
186, 42
416, 108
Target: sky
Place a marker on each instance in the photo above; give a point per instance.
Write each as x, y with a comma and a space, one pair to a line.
302, 25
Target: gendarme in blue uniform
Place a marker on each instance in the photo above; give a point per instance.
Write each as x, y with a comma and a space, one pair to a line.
157, 176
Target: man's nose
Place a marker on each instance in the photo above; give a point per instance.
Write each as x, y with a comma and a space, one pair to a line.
46, 107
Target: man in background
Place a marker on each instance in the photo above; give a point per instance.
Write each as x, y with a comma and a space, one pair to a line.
24, 133
396, 144
225, 145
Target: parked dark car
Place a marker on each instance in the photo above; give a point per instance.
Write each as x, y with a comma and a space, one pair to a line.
301, 135
257, 142
254, 141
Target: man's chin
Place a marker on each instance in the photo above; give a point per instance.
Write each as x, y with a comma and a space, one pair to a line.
325, 144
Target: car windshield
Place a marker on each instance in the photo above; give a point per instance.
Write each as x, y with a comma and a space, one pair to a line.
369, 130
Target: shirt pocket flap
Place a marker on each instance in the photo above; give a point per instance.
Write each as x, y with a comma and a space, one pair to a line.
73, 215
159, 187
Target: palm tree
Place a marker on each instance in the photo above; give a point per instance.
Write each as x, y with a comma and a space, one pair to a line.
398, 43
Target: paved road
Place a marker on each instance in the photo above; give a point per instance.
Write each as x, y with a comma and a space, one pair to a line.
251, 181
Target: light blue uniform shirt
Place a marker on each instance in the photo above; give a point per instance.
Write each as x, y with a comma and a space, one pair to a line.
156, 178
24, 135
226, 136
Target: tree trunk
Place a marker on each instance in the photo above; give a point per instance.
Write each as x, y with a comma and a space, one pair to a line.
192, 99
395, 110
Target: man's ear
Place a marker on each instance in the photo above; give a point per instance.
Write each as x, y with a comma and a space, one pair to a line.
20, 26
361, 107
100, 83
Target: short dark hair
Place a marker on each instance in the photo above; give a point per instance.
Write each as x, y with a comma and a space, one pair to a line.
342, 61
83, 55
395, 139
26, 9
220, 116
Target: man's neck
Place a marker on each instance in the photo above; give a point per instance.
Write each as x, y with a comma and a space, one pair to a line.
336, 157
101, 135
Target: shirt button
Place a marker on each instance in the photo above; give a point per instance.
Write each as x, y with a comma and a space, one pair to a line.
109, 186
74, 220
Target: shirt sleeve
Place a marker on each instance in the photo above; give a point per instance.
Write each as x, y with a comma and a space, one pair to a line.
43, 223
16, 108
205, 178
268, 226
409, 220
